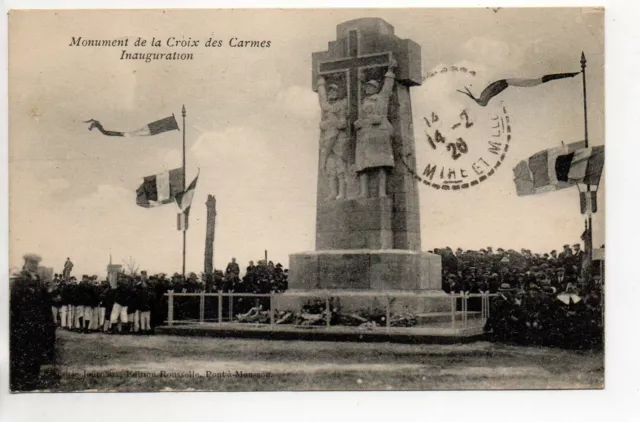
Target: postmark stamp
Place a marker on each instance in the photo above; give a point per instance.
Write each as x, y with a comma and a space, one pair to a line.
462, 142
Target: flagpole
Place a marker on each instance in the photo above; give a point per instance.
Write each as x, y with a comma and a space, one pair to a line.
583, 65
184, 187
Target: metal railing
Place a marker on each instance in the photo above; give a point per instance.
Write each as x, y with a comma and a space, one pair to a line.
459, 305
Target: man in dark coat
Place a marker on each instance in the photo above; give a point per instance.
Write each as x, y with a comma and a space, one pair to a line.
31, 329
233, 268
144, 306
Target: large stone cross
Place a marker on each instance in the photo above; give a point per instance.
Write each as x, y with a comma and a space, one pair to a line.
363, 51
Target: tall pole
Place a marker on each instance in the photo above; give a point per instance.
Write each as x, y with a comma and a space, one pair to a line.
209, 244
583, 64
184, 187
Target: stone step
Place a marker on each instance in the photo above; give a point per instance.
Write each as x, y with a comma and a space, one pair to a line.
435, 317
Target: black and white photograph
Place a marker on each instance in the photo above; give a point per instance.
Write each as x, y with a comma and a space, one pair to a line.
235, 200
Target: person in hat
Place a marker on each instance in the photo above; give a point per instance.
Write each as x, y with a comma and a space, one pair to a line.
106, 295
566, 256
62, 290
31, 329
144, 307
334, 141
374, 152
505, 287
119, 311
233, 268
66, 271
578, 255
81, 300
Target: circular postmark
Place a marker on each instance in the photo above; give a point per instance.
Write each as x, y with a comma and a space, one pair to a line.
463, 142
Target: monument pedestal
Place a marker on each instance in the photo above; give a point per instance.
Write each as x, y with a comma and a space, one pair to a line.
382, 271
365, 269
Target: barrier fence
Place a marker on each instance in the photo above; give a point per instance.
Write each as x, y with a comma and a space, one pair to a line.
225, 307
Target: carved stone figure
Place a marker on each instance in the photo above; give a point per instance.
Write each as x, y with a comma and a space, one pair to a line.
333, 139
374, 151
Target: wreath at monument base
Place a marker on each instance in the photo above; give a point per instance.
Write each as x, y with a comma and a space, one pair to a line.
314, 313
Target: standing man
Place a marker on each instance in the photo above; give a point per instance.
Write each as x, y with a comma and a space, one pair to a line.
578, 255
31, 330
233, 268
66, 271
144, 307
119, 312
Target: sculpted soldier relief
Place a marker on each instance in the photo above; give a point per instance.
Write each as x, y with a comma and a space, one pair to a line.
374, 132
333, 138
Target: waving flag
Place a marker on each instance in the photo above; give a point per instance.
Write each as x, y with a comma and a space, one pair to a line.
183, 201
160, 189
153, 128
558, 168
497, 87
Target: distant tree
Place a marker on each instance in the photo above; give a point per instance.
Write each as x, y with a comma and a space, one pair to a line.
130, 266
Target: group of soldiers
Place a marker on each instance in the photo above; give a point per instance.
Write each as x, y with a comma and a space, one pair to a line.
265, 277
94, 306
488, 270
553, 299
139, 303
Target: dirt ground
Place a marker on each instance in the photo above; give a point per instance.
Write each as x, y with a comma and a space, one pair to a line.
99, 362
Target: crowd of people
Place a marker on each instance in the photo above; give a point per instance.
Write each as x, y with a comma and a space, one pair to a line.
265, 277
553, 299
138, 302
91, 305
487, 270
547, 299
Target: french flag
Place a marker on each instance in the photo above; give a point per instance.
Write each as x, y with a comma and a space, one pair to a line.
183, 201
154, 128
160, 189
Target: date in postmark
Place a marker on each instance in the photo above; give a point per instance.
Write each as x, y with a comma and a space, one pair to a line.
461, 143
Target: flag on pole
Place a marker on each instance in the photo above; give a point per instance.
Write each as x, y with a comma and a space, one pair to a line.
559, 168
159, 126
497, 87
183, 201
159, 189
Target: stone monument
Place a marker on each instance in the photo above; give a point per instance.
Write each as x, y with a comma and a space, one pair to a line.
367, 219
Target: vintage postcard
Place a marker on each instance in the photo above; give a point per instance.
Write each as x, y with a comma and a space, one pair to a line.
320, 199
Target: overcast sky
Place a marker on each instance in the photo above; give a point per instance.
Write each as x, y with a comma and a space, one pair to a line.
252, 129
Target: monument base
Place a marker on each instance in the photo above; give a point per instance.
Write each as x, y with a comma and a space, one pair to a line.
365, 269
380, 272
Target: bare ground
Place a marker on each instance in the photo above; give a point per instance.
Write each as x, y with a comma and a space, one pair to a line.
99, 362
